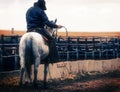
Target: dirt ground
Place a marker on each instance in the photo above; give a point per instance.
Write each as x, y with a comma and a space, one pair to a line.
98, 83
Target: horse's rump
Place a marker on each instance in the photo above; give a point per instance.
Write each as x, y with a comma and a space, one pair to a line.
28, 49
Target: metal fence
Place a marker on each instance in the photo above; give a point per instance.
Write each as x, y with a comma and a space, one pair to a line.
69, 49
9, 59
76, 48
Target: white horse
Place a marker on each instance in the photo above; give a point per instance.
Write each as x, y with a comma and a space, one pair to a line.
33, 49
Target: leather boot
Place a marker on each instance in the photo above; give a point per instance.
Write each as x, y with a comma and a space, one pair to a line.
53, 55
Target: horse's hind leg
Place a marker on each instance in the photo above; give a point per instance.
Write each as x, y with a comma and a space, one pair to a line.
45, 73
36, 65
29, 75
22, 63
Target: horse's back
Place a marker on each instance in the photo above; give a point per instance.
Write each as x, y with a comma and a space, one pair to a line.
33, 35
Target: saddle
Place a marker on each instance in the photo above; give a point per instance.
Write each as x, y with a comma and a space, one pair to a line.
38, 31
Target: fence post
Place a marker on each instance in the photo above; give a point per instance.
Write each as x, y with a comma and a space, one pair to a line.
100, 47
16, 52
113, 47
118, 47
107, 48
1, 53
77, 53
86, 47
16, 60
93, 48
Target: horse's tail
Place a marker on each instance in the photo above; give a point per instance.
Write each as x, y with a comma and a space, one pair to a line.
29, 55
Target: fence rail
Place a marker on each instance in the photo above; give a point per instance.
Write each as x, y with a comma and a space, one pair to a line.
71, 48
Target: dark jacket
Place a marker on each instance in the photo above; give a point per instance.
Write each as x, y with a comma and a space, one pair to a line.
37, 18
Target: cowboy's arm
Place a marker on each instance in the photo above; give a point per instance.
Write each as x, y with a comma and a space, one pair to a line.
49, 23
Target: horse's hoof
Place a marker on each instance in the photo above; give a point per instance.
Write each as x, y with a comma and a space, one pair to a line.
45, 87
35, 85
20, 84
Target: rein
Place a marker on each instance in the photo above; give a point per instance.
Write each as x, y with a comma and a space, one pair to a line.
55, 33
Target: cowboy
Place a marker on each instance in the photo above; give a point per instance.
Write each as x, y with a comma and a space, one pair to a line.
36, 19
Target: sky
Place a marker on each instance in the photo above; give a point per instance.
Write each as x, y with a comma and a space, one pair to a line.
75, 15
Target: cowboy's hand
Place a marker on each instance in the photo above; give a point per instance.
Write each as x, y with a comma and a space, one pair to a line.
59, 26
